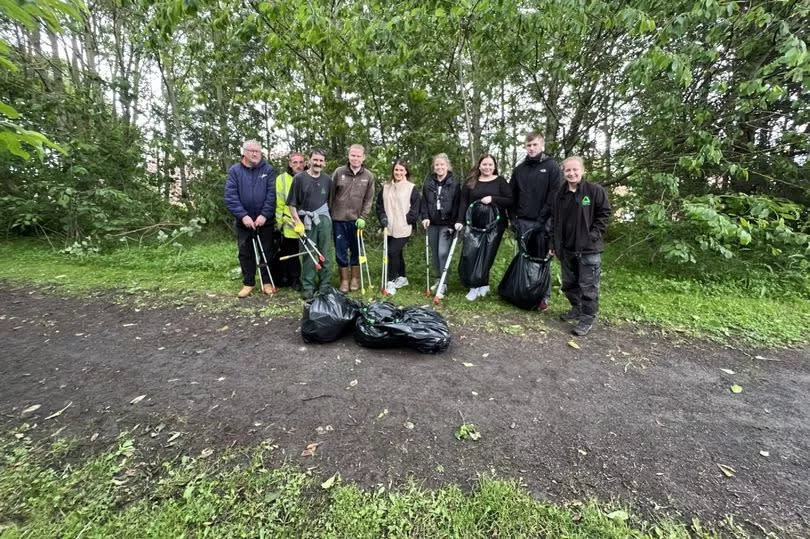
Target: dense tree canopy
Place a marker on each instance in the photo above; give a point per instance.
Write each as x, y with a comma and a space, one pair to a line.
697, 109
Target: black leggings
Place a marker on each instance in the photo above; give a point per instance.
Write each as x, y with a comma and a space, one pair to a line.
396, 262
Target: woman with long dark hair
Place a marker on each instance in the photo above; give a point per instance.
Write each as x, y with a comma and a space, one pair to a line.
398, 210
484, 184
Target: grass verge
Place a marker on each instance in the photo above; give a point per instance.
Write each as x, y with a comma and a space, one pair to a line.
47, 492
751, 309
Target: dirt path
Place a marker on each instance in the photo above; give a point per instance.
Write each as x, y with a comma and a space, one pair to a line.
637, 417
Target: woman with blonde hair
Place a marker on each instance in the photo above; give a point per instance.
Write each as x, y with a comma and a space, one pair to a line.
398, 211
440, 196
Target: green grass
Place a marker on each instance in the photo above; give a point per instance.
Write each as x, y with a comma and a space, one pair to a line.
738, 302
46, 491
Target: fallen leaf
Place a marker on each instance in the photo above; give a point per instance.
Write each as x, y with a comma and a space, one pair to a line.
466, 364
57, 414
619, 515
475, 393
310, 450
574, 345
94, 437
331, 481
736, 388
408, 425
174, 436
207, 452
128, 325
137, 399
383, 413
728, 471
582, 452
223, 328
31, 409
353, 383
727, 371
485, 355
765, 453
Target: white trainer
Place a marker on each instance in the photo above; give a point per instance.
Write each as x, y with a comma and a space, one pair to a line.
472, 294
483, 291
391, 288
401, 281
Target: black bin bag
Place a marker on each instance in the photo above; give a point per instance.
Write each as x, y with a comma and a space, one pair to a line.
527, 277
481, 241
328, 316
384, 325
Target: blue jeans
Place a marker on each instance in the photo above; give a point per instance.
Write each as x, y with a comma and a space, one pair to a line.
440, 238
345, 243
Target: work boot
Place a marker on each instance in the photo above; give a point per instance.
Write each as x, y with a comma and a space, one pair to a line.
268, 289
570, 315
344, 279
245, 292
582, 328
355, 284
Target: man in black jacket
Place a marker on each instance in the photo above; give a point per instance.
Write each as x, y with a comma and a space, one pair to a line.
580, 216
534, 183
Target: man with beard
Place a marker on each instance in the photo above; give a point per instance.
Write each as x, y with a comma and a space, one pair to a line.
350, 203
287, 272
308, 203
250, 196
534, 183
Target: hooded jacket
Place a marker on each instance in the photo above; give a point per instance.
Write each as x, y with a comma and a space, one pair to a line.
534, 183
448, 198
592, 216
251, 191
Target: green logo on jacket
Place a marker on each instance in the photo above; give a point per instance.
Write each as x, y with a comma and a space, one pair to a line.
586, 200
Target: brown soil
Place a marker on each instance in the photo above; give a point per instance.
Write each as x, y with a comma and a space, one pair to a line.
631, 415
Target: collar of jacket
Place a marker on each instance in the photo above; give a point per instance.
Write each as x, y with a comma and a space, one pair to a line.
359, 171
537, 159
446, 179
261, 164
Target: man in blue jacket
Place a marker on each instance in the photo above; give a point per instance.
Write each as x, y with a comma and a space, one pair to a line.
250, 195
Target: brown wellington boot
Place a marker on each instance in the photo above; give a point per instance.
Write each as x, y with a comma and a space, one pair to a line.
344, 279
245, 292
355, 284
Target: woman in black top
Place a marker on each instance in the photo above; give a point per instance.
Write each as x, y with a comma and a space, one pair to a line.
485, 184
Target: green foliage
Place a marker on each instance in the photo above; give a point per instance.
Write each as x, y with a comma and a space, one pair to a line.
769, 231
48, 491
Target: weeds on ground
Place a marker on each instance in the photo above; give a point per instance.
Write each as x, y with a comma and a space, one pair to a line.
116, 495
746, 304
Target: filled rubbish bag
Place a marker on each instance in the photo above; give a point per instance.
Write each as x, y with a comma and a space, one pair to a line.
526, 279
328, 316
482, 237
384, 325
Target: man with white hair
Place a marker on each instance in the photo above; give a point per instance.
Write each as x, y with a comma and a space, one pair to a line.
250, 195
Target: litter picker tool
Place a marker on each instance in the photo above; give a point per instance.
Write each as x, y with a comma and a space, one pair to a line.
261, 262
384, 263
446, 267
362, 256
309, 252
315, 249
296, 255
427, 264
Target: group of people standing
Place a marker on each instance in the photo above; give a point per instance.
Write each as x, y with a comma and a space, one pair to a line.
330, 210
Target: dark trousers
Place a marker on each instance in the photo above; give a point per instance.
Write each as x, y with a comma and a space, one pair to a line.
580, 282
396, 261
345, 243
247, 256
440, 237
286, 272
522, 226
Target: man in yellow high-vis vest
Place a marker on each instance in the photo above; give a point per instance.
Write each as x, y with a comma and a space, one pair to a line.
287, 272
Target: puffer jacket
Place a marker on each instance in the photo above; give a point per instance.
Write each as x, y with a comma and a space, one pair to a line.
449, 199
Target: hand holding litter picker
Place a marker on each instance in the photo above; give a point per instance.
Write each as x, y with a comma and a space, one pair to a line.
446, 267
309, 252
363, 255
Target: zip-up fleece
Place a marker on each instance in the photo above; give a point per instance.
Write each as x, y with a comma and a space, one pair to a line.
534, 183
449, 199
251, 191
592, 217
351, 194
